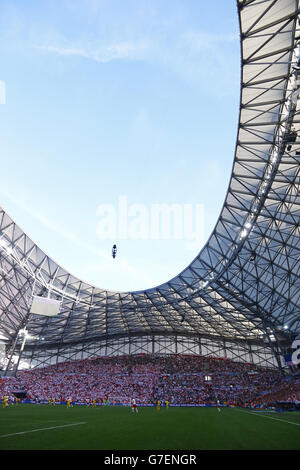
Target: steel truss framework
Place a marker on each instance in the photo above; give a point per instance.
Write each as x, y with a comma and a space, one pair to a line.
236, 296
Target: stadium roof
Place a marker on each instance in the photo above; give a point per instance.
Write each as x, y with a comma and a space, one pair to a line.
244, 284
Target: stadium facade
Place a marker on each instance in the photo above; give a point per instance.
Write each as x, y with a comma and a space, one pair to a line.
239, 298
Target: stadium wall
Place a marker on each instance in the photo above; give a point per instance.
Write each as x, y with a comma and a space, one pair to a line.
2, 355
155, 344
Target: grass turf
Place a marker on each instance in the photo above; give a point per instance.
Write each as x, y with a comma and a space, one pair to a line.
117, 428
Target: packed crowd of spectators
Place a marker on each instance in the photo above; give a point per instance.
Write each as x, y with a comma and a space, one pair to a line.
148, 378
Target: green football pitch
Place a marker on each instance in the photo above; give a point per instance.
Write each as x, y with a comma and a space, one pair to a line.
43, 427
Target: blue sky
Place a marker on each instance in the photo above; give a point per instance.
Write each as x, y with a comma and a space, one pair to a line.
108, 99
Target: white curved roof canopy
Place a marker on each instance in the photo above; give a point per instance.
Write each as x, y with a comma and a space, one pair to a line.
245, 281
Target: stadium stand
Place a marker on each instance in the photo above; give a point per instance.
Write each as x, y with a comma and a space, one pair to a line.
178, 379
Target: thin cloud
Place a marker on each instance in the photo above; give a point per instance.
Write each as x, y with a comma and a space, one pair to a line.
195, 57
125, 50
123, 264
198, 40
54, 227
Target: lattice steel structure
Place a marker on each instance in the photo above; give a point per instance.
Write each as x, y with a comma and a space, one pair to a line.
237, 295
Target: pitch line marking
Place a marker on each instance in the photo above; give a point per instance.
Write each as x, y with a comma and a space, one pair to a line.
41, 429
270, 417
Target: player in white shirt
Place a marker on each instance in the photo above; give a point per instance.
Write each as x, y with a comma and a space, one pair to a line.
218, 405
133, 406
